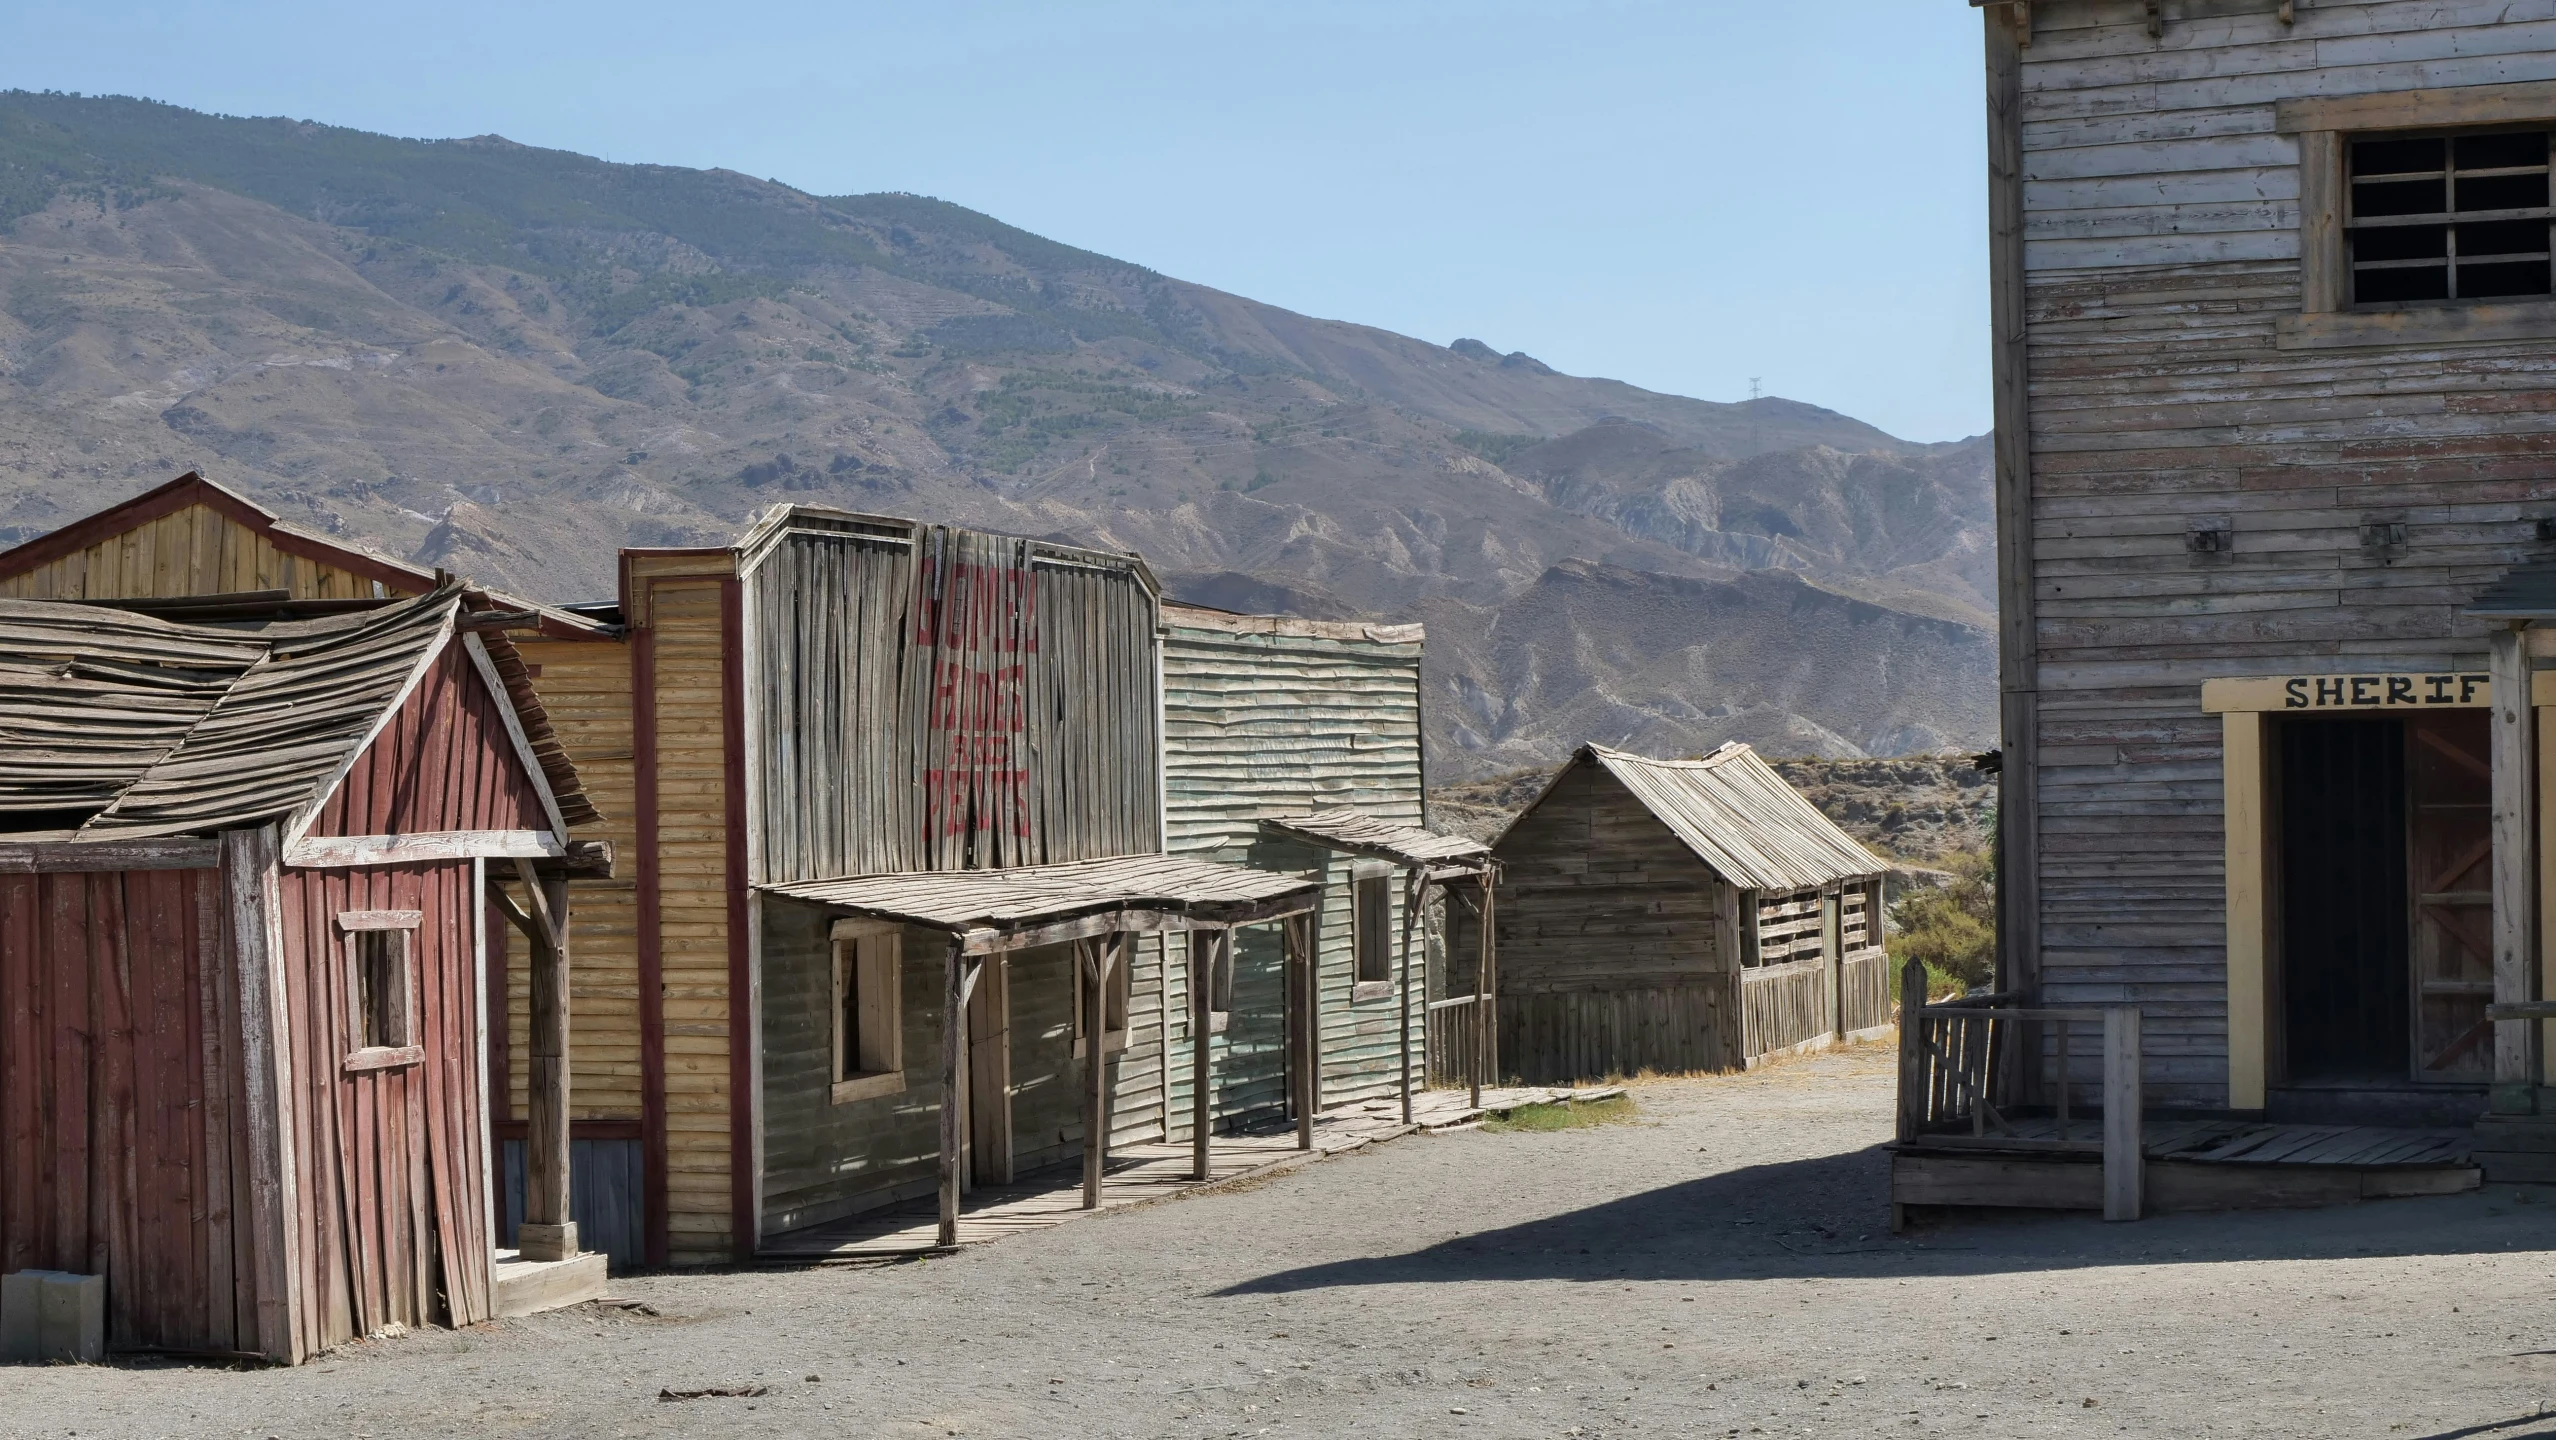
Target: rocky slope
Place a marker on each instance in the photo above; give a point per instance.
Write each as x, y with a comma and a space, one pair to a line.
510, 361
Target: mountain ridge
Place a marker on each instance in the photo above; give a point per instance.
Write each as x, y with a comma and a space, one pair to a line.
514, 358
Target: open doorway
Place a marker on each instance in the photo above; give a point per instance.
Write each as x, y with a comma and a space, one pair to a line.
2385, 845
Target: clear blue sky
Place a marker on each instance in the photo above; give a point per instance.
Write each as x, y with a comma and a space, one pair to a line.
1681, 194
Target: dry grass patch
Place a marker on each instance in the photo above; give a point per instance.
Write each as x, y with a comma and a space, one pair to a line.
1563, 1115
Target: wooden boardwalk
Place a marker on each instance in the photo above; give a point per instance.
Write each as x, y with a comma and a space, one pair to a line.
1141, 1174
2225, 1142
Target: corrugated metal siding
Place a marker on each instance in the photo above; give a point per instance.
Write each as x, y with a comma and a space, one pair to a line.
1269, 725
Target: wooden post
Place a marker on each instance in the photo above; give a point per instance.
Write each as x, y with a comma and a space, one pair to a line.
1912, 1048
953, 1076
1097, 958
549, 1229
1298, 932
1486, 1032
2124, 1156
2515, 754
273, 1258
1202, 981
1414, 887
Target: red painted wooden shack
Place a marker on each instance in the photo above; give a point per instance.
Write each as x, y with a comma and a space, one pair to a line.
246, 857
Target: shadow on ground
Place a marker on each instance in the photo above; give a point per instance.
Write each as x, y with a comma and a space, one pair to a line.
1824, 1217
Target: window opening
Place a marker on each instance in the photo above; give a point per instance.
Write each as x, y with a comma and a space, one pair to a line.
868, 1014
1789, 928
381, 988
1372, 924
1114, 1004
2445, 218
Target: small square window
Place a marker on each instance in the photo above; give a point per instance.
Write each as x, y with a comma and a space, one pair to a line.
2436, 219
381, 988
868, 1013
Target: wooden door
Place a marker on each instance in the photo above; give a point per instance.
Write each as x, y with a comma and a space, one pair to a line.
2450, 863
989, 1076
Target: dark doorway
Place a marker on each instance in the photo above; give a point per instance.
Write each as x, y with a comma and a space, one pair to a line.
2345, 927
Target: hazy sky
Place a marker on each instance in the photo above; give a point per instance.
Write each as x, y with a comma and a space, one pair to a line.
1683, 195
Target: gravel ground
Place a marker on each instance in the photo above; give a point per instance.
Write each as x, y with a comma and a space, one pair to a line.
1720, 1266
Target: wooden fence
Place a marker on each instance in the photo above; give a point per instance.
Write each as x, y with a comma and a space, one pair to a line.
1562, 1037
1863, 990
1451, 1042
1782, 1006
1960, 1076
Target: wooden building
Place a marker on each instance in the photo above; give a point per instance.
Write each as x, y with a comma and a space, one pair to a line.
1678, 915
244, 850
1294, 745
2275, 337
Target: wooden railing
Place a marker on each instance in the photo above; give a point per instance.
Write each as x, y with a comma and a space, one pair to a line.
1959, 1078
1452, 1042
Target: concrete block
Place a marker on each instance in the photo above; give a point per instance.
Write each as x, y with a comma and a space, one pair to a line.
22, 1316
547, 1242
74, 1318
52, 1315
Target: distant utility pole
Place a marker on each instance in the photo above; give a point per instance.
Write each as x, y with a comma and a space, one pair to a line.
1756, 391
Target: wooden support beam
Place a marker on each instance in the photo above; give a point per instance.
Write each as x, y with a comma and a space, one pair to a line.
549, 1229
1099, 959
1202, 979
2515, 756
2124, 1152
1415, 890
953, 1077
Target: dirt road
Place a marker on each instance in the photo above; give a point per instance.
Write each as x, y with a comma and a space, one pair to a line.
1720, 1267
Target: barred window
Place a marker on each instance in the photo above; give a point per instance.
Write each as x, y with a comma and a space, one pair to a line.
2437, 219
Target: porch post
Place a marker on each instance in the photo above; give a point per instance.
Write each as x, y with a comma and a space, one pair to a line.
953, 1077
1098, 959
549, 1229
1482, 993
2515, 785
1298, 932
1202, 979
1414, 885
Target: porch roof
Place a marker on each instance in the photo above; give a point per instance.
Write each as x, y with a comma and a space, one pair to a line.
1357, 833
990, 910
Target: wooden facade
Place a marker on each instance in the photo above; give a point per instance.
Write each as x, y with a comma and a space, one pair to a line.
242, 1064
1267, 718
1678, 916
2268, 776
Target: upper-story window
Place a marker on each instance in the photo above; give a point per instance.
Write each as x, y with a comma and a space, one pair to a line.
2437, 219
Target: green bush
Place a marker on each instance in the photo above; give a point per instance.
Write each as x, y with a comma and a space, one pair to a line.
1951, 929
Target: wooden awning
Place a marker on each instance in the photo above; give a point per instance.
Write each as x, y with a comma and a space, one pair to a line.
1355, 832
992, 910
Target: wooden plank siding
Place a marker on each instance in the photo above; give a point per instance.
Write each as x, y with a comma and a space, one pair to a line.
123, 1136
692, 868
1266, 717
194, 551
2161, 253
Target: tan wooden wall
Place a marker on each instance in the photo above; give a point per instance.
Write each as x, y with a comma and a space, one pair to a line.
2160, 254
585, 685
193, 551
685, 618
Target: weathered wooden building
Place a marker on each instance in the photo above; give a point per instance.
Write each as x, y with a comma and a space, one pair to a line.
2274, 338
1678, 915
244, 847
1294, 745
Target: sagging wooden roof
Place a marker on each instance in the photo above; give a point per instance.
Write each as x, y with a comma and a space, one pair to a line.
1737, 815
119, 725
1357, 833
1035, 905
193, 537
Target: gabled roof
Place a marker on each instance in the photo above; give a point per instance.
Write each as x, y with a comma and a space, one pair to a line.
1736, 814
395, 577
137, 726
1357, 833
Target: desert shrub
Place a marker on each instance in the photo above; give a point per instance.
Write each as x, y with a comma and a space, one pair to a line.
1950, 929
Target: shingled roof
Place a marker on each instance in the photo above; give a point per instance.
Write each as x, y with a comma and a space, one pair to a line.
120, 725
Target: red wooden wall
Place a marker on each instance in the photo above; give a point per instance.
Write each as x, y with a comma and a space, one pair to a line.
391, 1164
444, 762
123, 1147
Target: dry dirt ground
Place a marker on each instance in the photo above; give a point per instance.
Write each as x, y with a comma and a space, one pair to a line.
1719, 1267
